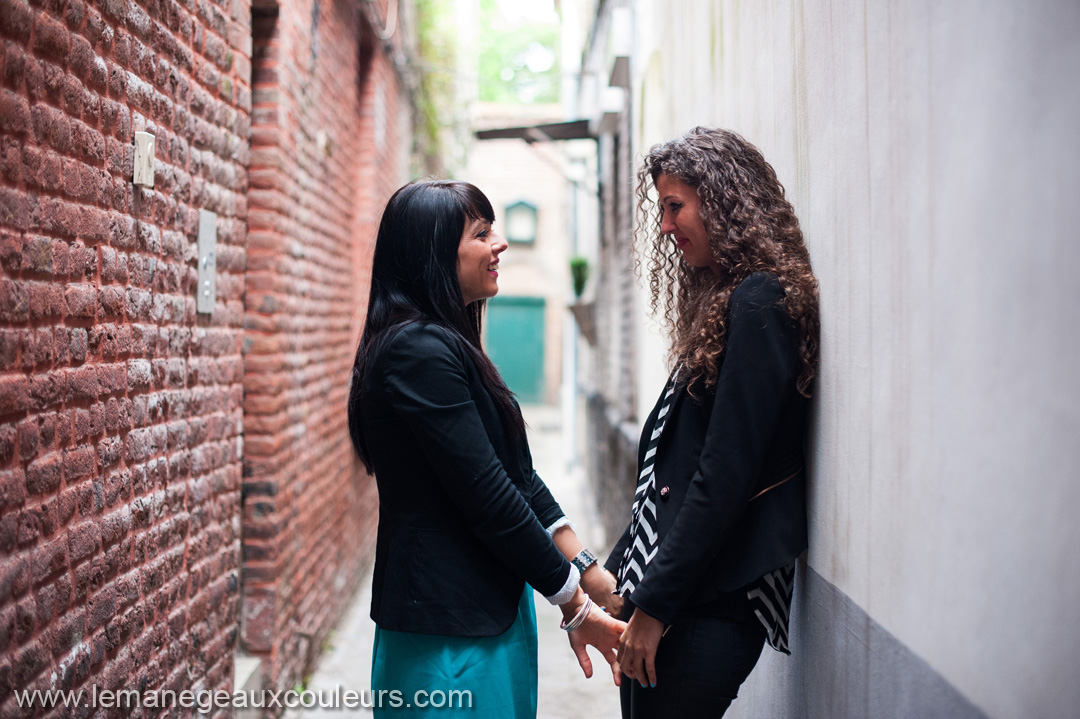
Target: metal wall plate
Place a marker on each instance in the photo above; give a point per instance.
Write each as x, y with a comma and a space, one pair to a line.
206, 294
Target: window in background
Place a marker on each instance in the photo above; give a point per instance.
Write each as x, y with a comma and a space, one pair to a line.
521, 222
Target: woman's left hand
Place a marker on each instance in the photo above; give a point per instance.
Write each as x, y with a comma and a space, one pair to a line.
637, 650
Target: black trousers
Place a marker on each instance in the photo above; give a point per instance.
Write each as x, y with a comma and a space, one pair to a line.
701, 662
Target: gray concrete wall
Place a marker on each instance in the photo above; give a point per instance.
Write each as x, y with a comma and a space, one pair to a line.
930, 150
846, 665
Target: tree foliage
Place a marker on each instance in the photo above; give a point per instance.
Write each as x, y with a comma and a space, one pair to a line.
436, 97
519, 61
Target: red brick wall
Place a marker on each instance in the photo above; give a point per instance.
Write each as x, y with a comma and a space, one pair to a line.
120, 407
325, 157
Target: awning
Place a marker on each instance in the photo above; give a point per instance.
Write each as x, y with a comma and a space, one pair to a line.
573, 130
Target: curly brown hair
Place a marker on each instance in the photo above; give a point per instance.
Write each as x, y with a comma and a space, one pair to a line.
751, 228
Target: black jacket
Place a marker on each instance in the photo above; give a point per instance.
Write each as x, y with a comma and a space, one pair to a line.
717, 454
461, 511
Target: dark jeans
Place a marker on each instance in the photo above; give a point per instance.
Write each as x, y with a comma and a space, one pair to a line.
700, 663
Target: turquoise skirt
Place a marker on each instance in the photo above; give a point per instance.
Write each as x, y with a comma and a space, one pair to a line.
424, 675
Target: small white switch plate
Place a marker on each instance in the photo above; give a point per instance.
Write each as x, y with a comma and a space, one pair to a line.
144, 159
206, 293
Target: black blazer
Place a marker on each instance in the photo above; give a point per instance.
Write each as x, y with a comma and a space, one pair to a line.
462, 514
725, 513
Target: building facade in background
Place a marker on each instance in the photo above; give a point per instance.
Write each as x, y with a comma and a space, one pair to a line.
177, 486
929, 152
524, 324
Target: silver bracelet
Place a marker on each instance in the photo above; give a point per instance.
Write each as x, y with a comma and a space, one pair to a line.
579, 618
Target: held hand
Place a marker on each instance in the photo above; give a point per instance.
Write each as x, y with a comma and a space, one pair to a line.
637, 651
603, 632
599, 584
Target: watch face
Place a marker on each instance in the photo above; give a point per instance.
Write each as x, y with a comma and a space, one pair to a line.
584, 560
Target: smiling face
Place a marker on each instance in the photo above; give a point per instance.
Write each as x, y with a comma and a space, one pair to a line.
681, 208
478, 261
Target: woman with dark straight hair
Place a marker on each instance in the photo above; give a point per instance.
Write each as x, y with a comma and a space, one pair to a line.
707, 563
466, 527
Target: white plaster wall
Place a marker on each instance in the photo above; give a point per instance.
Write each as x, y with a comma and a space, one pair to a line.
932, 153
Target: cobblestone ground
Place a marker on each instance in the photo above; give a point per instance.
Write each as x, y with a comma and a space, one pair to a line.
564, 691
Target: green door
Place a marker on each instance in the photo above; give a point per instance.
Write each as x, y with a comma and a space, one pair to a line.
515, 343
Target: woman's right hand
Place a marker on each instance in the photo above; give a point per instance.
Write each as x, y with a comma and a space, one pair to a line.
601, 631
600, 584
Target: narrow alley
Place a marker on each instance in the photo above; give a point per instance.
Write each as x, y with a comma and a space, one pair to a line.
191, 192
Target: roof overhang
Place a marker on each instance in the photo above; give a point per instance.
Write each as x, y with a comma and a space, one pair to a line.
572, 130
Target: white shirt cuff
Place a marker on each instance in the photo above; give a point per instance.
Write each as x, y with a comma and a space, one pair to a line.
558, 523
568, 589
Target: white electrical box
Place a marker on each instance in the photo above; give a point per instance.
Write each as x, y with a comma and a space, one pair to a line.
206, 294
144, 159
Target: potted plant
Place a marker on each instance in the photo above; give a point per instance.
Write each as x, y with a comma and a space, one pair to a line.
584, 312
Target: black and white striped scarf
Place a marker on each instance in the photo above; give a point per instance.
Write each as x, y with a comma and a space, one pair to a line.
770, 598
643, 538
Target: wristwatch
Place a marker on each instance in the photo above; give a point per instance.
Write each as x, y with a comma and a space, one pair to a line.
584, 560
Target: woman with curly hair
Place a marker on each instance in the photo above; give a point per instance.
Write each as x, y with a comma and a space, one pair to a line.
707, 563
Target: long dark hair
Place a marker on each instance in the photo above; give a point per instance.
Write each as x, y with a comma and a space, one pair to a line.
414, 278
751, 226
